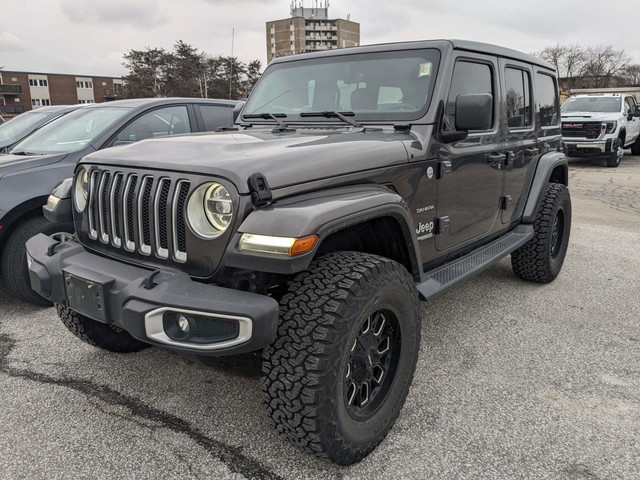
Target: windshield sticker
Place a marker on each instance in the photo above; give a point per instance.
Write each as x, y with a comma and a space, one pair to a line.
425, 69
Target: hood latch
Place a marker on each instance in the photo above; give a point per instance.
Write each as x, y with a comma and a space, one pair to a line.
259, 188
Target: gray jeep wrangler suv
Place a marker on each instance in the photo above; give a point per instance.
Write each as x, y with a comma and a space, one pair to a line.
355, 184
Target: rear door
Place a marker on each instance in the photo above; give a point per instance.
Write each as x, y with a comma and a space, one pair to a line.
520, 135
470, 171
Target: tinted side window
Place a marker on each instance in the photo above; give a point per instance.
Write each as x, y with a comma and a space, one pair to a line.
628, 105
215, 117
467, 78
518, 97
547, 96
157, 123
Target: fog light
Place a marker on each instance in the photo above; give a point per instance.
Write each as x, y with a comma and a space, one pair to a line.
183, 323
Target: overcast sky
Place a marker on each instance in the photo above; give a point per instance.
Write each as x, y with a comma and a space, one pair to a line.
90, 37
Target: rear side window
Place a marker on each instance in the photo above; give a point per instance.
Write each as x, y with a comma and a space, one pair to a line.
468, 77
547, 96
157, 123
215, 116
518, 97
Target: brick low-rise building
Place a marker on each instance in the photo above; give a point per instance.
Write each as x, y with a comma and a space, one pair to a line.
23, 91
309, 30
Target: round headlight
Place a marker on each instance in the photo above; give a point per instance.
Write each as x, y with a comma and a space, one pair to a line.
81, 190
210, 210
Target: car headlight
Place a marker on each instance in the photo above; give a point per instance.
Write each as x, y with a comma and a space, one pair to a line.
81, 189
210, 210
611, 127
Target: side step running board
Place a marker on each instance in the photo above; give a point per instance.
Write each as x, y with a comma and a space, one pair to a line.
451, 273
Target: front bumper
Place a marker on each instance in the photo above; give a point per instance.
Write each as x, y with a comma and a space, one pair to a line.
587, 148
143, 301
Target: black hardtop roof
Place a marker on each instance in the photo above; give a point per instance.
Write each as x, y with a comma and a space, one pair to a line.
468, 45
145, 102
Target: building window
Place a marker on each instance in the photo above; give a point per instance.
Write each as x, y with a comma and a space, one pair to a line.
272, 35
291, 22
291, 43
43, 82
33, 82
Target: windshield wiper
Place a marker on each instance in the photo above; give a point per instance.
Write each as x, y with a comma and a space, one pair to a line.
282, 127
344, 116
22, 152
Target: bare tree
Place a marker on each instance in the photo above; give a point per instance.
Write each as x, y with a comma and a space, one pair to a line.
630, 75
568, 60
603, 63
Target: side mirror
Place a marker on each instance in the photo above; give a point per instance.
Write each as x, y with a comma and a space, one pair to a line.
474, 111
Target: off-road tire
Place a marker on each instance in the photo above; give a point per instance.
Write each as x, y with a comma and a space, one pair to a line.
635, 147
617, 153
107, 337
15, 273
304, 369
537, 260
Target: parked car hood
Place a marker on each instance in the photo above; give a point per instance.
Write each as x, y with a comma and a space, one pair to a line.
14, 163
590, 116
284, 158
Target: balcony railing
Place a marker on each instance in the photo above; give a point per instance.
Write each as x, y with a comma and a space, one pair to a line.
11, 109
10, 89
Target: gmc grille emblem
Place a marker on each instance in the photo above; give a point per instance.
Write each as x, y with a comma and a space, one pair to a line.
572, 125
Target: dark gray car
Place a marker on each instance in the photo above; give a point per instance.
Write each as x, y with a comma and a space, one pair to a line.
13, 131
35, 165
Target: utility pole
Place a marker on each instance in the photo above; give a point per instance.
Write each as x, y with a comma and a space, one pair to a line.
233, 33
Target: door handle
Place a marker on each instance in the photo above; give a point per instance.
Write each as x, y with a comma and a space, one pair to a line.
530, 152
496, 157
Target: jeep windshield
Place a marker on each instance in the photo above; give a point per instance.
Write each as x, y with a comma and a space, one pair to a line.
70, 132
592, 104
382, 86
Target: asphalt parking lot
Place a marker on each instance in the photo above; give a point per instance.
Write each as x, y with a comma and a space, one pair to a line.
514, 380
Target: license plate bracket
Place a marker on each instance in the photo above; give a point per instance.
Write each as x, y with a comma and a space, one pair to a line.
86, 296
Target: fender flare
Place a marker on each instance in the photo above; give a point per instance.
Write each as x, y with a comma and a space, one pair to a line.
320, 213
547, 164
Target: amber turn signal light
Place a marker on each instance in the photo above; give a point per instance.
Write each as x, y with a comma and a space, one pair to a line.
303, 245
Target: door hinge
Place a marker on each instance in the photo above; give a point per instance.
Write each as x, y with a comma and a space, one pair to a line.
444, 168
442, 223
505, 202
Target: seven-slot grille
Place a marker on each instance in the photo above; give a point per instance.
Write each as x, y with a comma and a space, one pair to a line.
590, 130
139, 212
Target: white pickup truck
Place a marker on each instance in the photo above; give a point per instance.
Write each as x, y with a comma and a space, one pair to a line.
600, 124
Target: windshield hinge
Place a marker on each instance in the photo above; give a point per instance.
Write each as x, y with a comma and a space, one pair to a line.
259, 188
402, 127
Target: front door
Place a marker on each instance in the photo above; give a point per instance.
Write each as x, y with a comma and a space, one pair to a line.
470, 171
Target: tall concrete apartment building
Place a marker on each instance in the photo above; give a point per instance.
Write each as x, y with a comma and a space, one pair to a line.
23, 91
309, 30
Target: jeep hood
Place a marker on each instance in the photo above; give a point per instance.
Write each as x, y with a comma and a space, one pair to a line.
15, 163
591, 116
284, 158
